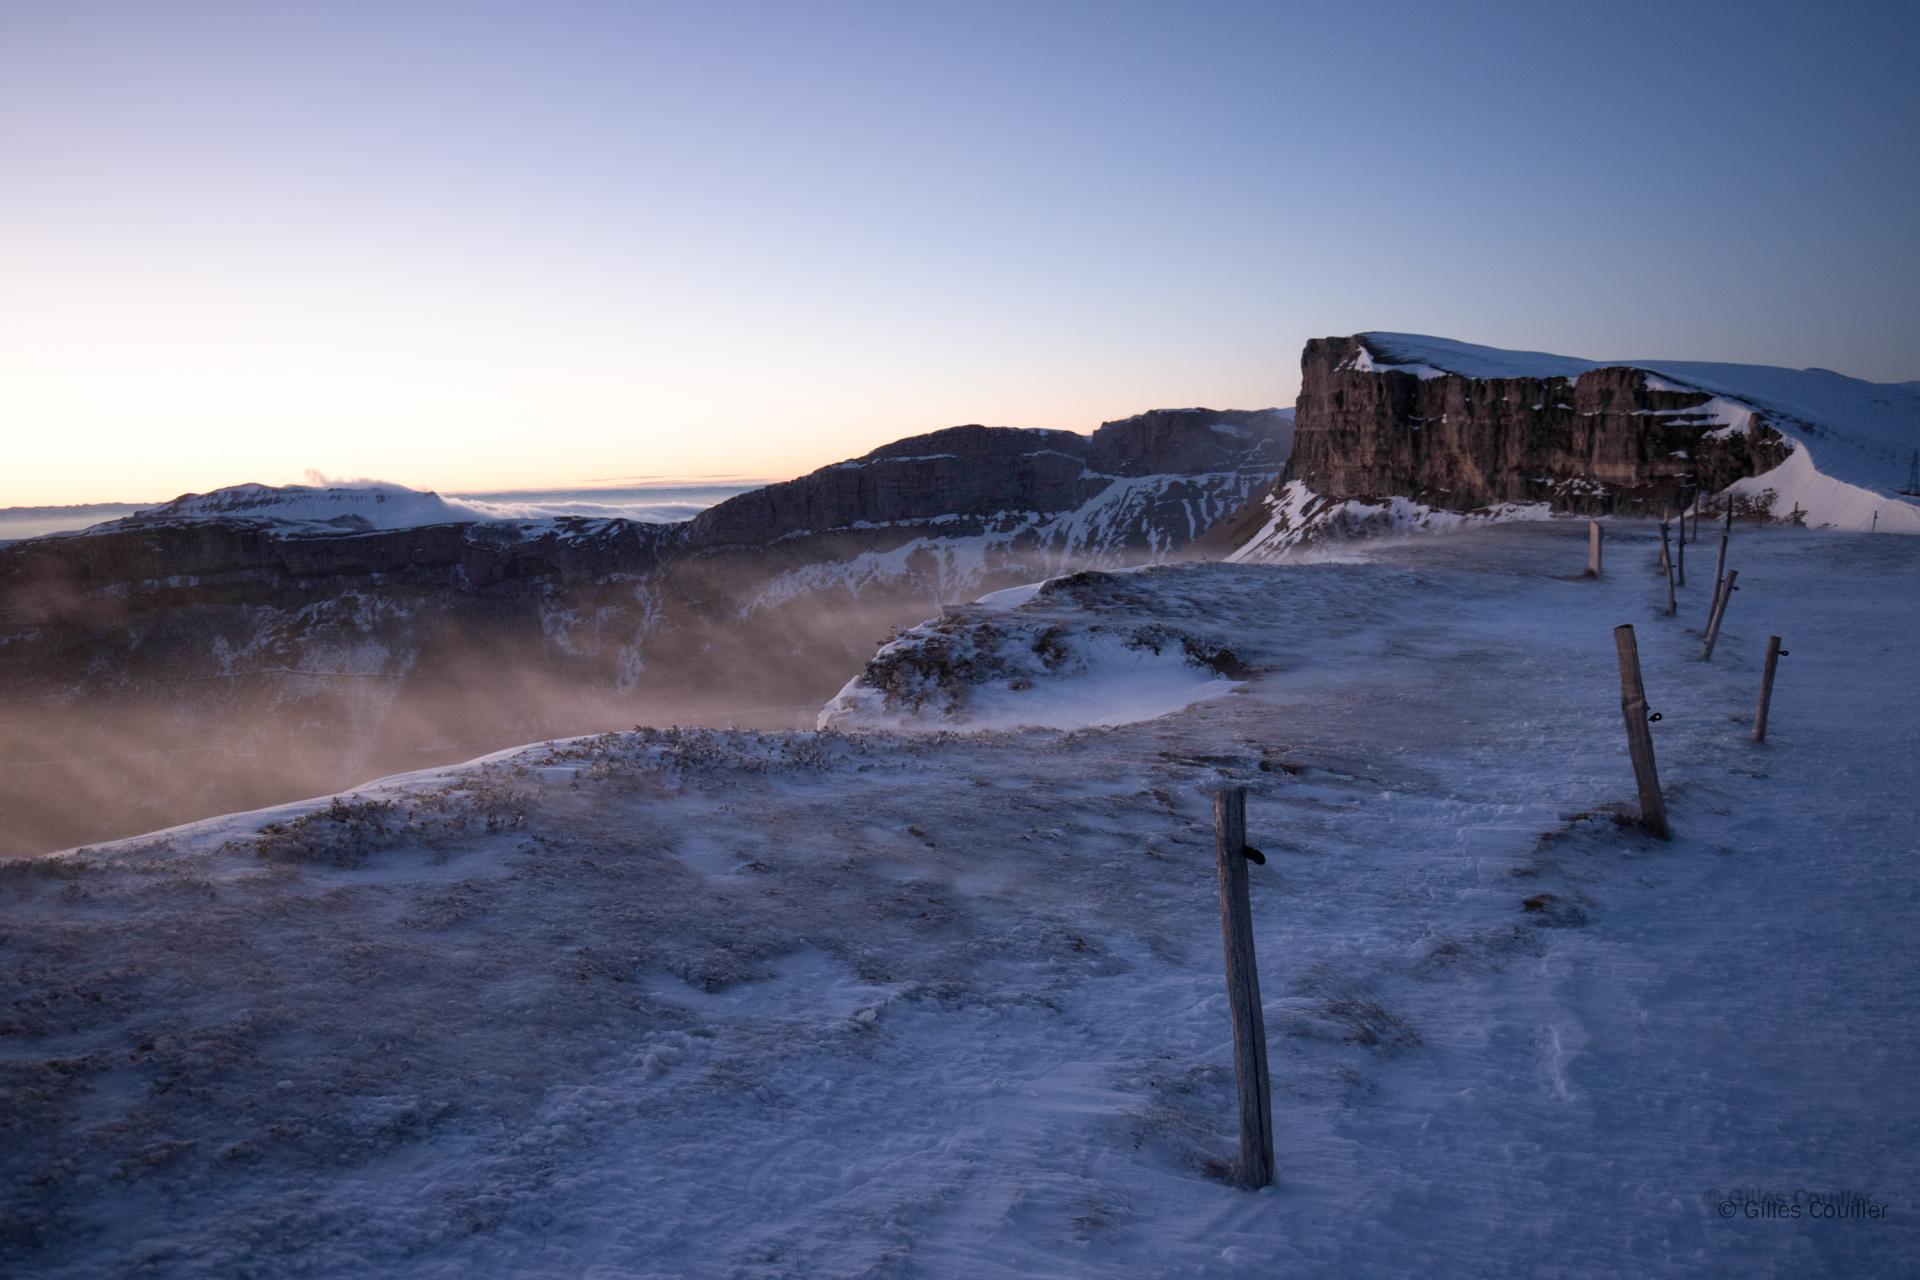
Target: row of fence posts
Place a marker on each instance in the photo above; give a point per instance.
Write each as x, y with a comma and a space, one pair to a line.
1232, 853
1633, 695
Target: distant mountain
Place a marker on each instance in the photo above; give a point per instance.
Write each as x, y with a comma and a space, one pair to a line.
256, 644
1399, 431
309, 509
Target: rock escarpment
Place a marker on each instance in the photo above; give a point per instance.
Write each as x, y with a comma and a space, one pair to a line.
1611, 440
1384, 440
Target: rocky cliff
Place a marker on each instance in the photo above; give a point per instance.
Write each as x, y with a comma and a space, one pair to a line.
1376, 425
1607, 440
216, 658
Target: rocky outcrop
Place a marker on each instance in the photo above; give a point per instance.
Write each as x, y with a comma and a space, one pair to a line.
1611, 440
1191, 440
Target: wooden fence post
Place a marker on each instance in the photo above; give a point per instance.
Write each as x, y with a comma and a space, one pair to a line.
1766, 689
1719, 611
1720, 564
1243, 987
1633, 708
1666, 561
1680, 556
1593, 548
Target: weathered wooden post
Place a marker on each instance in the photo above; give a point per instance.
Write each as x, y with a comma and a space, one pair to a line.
1766, 688
1720, 564
1593, 548
1633, 708
1719, 611
1680, 556
1231, 856
1666, 562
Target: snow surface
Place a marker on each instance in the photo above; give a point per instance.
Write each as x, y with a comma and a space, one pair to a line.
677, 1003
1011, 597
1860, 434
1024, 658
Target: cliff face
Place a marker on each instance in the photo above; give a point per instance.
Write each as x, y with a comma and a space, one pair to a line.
1612, 440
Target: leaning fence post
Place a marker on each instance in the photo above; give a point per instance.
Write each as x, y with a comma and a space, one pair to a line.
1719, 612
1766, 688
1593, 548
1633, 708
1231, 856
1666, 562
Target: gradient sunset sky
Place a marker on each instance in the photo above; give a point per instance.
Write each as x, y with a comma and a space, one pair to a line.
479, 245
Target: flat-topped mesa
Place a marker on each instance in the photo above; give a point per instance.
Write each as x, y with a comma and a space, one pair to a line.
1609, 440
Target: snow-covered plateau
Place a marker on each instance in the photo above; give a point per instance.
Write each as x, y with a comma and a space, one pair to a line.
1399, 432
1859, 435
910, 1002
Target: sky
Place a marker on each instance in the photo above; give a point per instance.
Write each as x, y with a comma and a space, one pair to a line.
478, 245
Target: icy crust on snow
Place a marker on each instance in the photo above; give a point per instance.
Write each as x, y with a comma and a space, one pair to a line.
1088, 650
1299, 519
677, 1003
1860, 434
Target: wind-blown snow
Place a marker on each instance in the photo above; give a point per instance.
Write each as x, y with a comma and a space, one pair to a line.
1294, 511
1010, 597
694, 1003
959, 553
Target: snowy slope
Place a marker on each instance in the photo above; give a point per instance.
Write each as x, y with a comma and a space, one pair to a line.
1858, 436
678, 1003
1133, 518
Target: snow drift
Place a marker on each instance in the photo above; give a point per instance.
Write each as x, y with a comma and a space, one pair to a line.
1070, 653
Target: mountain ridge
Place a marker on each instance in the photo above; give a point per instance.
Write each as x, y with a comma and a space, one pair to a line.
353, 652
